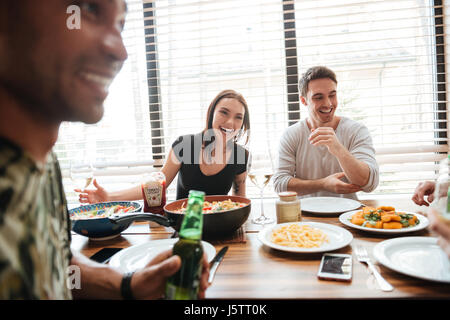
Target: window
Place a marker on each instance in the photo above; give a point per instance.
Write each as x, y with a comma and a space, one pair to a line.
204, 47
122, 137
388, 56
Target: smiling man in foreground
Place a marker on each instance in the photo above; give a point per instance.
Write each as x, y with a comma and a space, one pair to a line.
50, 74
325, 154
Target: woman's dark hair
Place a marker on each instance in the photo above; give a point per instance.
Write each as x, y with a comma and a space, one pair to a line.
230, 94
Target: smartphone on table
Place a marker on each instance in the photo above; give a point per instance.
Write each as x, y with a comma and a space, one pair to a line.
336, 266
104, 255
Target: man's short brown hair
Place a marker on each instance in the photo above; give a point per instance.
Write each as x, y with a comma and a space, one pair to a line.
313, 73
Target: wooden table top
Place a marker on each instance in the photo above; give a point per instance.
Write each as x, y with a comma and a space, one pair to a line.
250, 270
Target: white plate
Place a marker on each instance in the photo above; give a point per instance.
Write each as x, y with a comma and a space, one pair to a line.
328, 205
423, 223
137, 257
418, 257
337, 237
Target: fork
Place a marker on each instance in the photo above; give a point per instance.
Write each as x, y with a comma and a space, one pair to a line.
363, 257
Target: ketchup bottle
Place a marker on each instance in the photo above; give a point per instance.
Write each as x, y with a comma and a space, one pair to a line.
154, 192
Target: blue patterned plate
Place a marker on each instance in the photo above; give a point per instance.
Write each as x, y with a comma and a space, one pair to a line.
100, 228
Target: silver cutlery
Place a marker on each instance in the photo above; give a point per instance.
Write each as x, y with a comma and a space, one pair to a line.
363, 257
215, 263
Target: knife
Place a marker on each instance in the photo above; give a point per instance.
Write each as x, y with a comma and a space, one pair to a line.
215, 263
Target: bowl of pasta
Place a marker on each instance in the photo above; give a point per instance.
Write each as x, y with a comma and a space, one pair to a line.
223, 214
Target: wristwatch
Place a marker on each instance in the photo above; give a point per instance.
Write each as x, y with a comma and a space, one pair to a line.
125, 286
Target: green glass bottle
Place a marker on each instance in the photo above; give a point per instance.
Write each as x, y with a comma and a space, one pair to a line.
184, 284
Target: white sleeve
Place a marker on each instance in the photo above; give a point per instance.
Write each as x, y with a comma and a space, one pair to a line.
362, 149
285, 167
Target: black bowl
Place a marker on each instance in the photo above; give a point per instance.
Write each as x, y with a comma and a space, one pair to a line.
215, 225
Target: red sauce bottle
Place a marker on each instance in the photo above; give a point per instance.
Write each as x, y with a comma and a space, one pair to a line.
154, 192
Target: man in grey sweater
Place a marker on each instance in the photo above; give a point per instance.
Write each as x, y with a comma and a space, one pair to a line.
325, 154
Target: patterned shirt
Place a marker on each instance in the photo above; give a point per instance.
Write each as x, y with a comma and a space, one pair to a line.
34, 227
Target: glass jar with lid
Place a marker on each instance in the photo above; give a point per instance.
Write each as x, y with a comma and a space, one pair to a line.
288, 207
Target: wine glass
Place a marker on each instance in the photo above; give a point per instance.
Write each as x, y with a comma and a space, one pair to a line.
81, 173
259, 171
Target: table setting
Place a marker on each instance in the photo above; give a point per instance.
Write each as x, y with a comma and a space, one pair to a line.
254, 267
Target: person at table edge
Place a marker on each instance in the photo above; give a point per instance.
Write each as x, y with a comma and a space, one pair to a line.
437, 223
49, 74
210, 161
325, 154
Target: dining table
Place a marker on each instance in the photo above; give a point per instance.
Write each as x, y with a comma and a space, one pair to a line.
251, 270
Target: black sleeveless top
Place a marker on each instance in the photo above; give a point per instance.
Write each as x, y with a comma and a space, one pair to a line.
187, 150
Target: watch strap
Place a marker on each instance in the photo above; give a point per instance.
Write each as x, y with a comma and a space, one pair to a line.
125, 286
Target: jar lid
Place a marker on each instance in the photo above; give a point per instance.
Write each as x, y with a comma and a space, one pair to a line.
288, 195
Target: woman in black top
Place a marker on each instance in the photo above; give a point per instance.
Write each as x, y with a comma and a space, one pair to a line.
191, 172
210, 161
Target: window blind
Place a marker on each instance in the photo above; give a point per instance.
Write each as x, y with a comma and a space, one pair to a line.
389, 57
119, 146
389, 61
198, 48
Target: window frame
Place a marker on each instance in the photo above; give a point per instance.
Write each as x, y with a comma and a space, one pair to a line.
292, 74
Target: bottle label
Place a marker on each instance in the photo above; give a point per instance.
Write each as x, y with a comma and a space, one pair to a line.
153, 193
174, 292
171, 291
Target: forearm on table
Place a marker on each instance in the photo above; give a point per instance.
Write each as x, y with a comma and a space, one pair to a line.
356, 171
97, 281
303, 187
